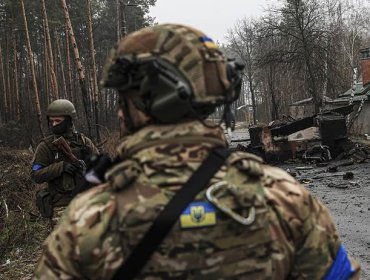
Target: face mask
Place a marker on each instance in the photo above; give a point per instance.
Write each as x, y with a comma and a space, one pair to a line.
61, 128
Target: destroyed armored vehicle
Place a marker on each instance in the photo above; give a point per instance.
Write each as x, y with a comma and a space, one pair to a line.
317, 138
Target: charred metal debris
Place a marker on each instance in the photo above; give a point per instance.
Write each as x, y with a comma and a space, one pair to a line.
316, 139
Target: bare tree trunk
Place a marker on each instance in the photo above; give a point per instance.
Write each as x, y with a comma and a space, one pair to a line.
69, 68
54, 82
119, 32
253, 97
59, 55
6, 109
16, 87
312, 89
45, 73
274, 105
81, 73
122, 19
30, 59
118, 19
9, 88
94, 73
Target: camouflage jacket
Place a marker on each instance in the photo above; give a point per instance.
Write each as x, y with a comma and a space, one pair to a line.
291, 237
47, 165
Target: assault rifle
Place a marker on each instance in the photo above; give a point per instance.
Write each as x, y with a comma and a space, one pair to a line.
91, 173
80, 181
63, 146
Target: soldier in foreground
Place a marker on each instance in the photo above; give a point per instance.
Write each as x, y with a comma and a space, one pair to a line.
178, 205
59, 160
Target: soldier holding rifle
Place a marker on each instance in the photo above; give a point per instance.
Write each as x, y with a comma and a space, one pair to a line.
59, 160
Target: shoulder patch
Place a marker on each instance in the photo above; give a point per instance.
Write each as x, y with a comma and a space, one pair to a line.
198, 214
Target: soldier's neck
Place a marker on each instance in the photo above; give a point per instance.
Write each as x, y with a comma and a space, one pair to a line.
190, 132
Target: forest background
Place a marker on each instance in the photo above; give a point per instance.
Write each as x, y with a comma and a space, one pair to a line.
56, 49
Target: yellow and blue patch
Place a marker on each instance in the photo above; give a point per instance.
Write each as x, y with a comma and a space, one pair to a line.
198, 214
208, 42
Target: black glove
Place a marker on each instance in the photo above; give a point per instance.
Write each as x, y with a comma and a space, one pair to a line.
97, 166
70, 168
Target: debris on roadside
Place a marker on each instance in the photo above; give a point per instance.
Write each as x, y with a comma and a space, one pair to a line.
348, 176
316, 139
355, 152
305, 181
317, 153
291, 172
338, 186
304, 167
332, 169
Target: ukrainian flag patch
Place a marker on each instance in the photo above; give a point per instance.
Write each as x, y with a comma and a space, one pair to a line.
198, 214
208, 42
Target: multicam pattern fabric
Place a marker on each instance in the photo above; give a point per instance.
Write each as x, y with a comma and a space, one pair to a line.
292, 237
202, 64
57, 215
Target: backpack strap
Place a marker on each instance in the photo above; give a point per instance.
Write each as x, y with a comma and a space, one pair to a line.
168, 217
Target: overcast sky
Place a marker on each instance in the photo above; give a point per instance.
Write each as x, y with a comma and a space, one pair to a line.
213, 17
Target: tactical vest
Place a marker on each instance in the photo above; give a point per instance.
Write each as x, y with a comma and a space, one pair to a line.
61, 188
225, 249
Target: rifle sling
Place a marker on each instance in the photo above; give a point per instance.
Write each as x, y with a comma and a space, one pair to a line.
168, 217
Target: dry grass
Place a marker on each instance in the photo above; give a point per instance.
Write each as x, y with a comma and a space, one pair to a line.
22, 231
110, 143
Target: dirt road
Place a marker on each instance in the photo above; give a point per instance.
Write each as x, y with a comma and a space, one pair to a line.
349, 203
347, 199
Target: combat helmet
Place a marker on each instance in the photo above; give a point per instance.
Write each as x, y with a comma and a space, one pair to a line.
176, 70
61, 107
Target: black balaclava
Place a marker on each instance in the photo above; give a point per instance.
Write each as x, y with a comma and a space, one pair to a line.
63, 127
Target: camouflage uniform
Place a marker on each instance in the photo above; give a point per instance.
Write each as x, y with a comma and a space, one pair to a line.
47, 165
51, 159
292, 235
